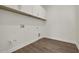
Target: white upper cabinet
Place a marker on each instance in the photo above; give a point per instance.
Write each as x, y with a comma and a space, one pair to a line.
42, 12
33, 10
36, 10
39, 11
27, 9
12, 6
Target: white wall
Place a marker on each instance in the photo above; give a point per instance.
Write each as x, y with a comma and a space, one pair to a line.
12, 36
61, 23
77, 25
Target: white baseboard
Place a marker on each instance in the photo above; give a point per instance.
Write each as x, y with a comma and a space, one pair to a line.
61, 39
18, 47
24, 44
77, 44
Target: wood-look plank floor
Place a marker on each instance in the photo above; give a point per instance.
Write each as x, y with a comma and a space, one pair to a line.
46, 45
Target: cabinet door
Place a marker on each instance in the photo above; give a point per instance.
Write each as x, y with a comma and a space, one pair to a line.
42, 12
12, 6
39, 11
27, 8
36, 10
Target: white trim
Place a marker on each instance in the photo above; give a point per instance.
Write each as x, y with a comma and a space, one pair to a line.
77, 44
18, 47
61, 39
25, 44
